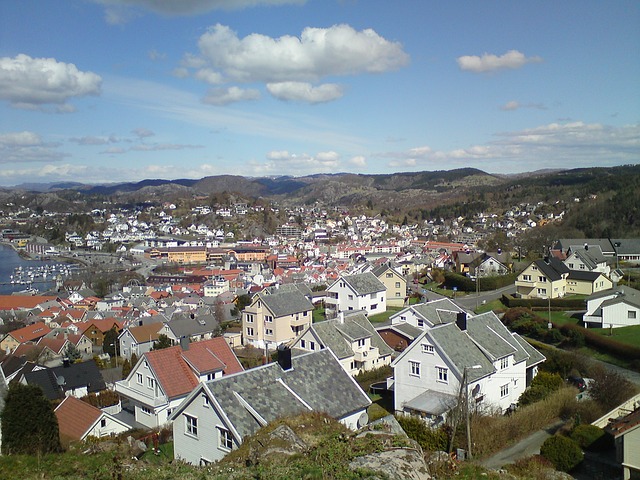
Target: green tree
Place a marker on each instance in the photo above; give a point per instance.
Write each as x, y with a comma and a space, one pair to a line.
110, 342
162, 342
72, 353
134, 360
29, 425
126, 368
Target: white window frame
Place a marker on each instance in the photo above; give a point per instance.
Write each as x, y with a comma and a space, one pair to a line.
504, 390
414, 368
442, 374
426, 348
190, 425
139, 379
225, 439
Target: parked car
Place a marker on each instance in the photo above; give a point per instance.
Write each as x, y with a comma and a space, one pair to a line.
577, 382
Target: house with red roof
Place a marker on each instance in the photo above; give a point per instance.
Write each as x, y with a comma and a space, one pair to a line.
78, 420
23, 302
163, 378
30, 333
96, 329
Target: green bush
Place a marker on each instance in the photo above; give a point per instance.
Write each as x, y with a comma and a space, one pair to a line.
542, 386
586, 435
564, 453
429, 439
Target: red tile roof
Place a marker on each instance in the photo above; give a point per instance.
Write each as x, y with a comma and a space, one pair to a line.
174, 368
172, 372
17, 302
30, 332
56, 343
76, 417
146, 333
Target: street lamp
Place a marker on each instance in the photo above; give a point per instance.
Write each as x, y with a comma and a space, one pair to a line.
466, 391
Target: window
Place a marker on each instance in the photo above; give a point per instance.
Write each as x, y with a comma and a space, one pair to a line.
269, 331
571, 266
249, 318
350, 297
139, 378
389, 275
205, 401
542, 279
427, 348
443, 374
631, 314
398, 294
145, 410
374, 306
149, 382
225, 438
250, 331
542, 291
420, 323
361, 342
303, 343
526, 278
103, 423
191, 425
211, 376
268, 318
504, 390
305, 313
312, 345
415, 368
397, 284
504, 363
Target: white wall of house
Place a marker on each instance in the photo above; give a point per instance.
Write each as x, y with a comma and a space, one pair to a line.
207, 445
107, 425
348, 299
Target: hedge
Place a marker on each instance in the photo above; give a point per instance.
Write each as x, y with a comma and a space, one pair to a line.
564, 453
602, 343
467, 284
543, 304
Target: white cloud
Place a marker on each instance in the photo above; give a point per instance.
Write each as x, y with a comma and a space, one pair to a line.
155, 147
209, 76
305, 92
317, 53
224, 96
35, 83
190, 7
514, 105
298, 164
489, 62
94, 140
46, 172
557, 145
142, 132
358, 161
155, 55
114, 151
22, 147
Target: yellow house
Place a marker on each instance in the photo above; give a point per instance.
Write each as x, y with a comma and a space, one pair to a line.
187, 255
545, 278
396, 284
587, 283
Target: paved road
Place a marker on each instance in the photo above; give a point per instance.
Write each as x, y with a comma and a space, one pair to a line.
471, 300
524, 448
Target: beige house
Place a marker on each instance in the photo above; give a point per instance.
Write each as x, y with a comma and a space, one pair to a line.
351, 338
395, 283
276, 315
546, 278
587, 283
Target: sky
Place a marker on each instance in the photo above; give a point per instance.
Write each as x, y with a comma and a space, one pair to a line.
102, 91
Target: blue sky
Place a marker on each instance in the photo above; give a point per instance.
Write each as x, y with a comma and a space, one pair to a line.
123, 90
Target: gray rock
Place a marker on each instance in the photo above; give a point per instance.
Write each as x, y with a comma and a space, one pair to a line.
398, 464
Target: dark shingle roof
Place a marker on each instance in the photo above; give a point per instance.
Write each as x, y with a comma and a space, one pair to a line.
76, 375
552, 268
316, 380
438, 311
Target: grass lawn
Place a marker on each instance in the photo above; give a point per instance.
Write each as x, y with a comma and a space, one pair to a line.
318, 315
628, 335
162, 456
381, 406
384, 316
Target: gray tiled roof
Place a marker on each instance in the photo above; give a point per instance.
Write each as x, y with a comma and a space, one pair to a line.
438, 311
432, 402
364, 283
552, 268
535, 356
460, 350
490, 333
182, 325
316, 378
338, 336
286, 302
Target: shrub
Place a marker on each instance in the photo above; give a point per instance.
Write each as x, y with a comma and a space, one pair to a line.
564, 453
430, 440
586, 435
541, 387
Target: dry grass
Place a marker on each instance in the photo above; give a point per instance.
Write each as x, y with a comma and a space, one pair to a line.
492, 433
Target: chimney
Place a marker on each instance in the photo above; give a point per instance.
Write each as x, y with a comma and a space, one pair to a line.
284, 357
461, 321
66, 362
184, 343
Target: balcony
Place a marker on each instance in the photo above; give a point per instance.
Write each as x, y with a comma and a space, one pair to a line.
365, 355
138, 395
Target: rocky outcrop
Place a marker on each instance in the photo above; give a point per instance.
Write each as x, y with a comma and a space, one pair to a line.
397, 464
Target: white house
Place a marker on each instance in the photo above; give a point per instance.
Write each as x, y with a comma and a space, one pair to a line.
362, 291
476, 356
163, 378
618, 307
217, 415
78, 420
351, 338
430, 314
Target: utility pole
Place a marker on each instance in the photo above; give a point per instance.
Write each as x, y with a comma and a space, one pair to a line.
465, 376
